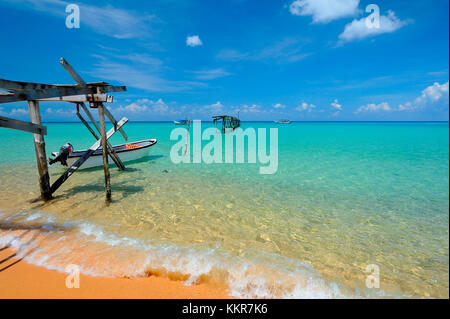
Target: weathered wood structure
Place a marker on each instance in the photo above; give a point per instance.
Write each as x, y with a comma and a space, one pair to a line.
227, 122
94, 93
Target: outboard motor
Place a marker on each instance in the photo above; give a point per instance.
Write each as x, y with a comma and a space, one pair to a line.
62, 155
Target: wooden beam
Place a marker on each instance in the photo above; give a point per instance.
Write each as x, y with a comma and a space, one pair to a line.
72, 72
113, 120
35, 91
86, 123
81, 98
101, 115
84, 157
111, 151
81, 82
39, 146
53, 92
22, 126
20, 86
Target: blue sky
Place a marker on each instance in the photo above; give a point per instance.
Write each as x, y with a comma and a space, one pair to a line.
304, 60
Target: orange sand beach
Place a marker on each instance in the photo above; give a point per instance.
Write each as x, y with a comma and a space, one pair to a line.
19, 279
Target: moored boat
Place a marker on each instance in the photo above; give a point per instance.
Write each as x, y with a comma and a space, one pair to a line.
127, 152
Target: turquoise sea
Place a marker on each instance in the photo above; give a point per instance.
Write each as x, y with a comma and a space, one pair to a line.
346, 195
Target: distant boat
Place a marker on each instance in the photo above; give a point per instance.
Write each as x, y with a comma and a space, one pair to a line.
283, 121
180, 122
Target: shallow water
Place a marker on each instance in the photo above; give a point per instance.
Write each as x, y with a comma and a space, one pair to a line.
345, 195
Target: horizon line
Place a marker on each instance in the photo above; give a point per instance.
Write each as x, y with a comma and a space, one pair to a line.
271, 121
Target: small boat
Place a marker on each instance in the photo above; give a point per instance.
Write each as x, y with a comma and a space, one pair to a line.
283, 121
127, 152
180, 122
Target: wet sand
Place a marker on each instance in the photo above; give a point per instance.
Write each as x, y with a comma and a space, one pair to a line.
19, 279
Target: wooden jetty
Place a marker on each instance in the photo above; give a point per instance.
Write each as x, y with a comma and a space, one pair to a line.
227, 122
93, 93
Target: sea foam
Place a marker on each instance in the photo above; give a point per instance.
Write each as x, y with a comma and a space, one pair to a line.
40, 241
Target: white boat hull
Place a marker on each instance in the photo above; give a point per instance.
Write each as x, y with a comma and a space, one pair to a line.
126, 152
94, 161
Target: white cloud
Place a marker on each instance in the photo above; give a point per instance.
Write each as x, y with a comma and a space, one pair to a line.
279, 106
305, 107
324, 11
118, 23
193, 41
133, 108
107, 20
374, 108
435, 95
432, 95
22, 113
160, 107
214, 108
287, 50
146, 107
358, 29
434, 92
141, 59
19, 111
211, 74
219, 108
138, 77
254, 108
14, 112
65, 112
335, 104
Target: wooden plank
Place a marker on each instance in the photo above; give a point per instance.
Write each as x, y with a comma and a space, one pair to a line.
41, 156
101, 116
111, 151
85, 156
86, 123
72, 72
21, 86
115, 157
34, 91
22, 126
113, 120
18, 85
81, 98
49, 93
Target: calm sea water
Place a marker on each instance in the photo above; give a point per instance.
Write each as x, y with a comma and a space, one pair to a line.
345, 196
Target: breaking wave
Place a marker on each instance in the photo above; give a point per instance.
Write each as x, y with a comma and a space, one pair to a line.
39, 240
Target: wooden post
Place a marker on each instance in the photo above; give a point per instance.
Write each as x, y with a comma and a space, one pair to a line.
114, 122
84, 157
101, 115
39, 147
111, 151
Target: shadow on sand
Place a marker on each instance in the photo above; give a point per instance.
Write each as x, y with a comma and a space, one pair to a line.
126, 190
27, 229
149, 159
